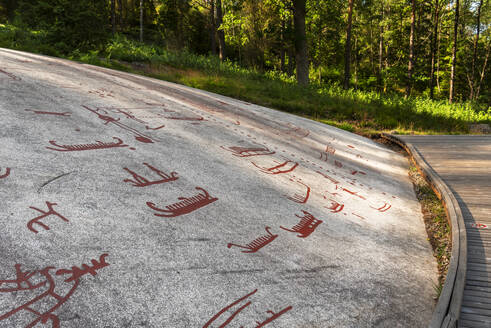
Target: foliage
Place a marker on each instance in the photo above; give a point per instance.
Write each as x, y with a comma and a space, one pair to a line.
68, 24
351, 110
261, 56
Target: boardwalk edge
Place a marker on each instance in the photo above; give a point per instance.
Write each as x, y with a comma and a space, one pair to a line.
447, 311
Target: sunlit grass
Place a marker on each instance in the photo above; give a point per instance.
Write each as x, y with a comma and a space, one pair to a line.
353, 110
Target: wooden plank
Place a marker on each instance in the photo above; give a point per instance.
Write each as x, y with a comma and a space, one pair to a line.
463, 164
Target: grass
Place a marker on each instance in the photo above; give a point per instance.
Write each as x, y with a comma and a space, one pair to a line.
437, 226
353, 110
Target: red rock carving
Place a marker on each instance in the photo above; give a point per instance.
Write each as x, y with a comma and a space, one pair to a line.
354, 193
479, 225
12, 76
37, 219
157, 128
125, 113
358, 172
329, 151
185, 205
49, 113
328, 177
273, 317
338, 164
81, 147
225, 309
361, 217
257, 243
143, 182
335, 206
249, 151
277, 169
383, 208
23, 282
6, 174
308, 223
108, 119
300, 198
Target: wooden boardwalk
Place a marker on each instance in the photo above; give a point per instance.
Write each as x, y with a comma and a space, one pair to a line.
464, 165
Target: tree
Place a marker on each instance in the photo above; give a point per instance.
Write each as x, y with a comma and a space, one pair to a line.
454, 53
301, 51
410, 66
221, 34
381, 47
213, 28
347, 49
113, 16
472, 79
434, 38
141, 20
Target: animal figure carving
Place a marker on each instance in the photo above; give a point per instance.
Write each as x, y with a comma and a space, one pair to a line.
257, 243
308, 223
93, 146
45, 283
249, 151
185, 205
143, 182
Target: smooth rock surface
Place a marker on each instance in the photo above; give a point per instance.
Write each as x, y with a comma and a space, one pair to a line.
241, 190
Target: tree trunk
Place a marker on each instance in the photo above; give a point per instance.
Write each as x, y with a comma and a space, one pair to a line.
282, 46
113, 16
347, 50
301, 53
433, 49
483, 71
454, 52
213, 29
381, 51
291, 52
474, 55
120, 19
410, 66
221, 33
141, 20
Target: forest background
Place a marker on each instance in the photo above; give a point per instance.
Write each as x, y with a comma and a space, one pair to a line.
362, 65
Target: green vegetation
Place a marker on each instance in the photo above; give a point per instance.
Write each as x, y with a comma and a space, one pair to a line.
437, 226
364, 112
